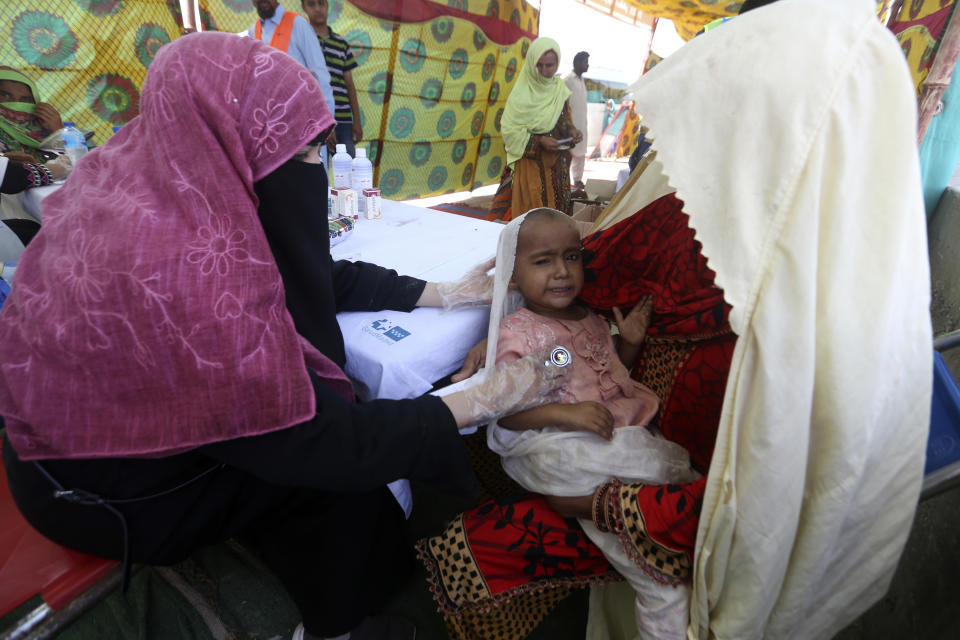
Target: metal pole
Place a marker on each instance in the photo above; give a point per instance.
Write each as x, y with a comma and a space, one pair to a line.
894, 12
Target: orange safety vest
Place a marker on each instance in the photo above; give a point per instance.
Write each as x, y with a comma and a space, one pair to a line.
281, 35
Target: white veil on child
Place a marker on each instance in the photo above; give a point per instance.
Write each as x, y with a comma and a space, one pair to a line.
570, 463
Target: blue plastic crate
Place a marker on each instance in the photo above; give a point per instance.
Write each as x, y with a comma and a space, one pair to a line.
943, 443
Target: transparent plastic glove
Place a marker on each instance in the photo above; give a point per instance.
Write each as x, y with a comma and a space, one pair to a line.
59, 167
511, 387
474, 288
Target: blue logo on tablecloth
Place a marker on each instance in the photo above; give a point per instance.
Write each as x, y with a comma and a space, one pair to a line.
389, 329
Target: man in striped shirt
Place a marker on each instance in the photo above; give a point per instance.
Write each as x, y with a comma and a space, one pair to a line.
340, 63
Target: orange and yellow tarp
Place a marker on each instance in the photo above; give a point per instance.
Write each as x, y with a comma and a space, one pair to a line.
689, 16
432, 81
433, 78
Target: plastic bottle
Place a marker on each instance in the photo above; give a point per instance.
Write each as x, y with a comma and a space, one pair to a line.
74, 142
361, 175
341, 167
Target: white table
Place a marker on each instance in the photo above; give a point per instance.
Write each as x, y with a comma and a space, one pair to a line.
396, 355
32, 199
399, 355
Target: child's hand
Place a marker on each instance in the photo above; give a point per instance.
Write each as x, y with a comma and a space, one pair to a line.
476, 358
587, 416
633, 328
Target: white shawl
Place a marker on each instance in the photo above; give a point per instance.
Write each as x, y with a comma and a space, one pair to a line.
789, 135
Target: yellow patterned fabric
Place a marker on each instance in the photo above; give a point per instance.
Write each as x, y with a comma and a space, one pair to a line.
629, 134
431, 93
233, 16
919, 27
88, 58
238, 15
689, 16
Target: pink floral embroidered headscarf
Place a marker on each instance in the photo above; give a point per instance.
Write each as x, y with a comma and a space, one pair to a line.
148, 316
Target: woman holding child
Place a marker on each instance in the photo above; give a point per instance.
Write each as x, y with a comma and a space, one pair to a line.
170, 361
789, 344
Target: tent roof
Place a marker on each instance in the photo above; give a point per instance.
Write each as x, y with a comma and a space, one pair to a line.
688, 16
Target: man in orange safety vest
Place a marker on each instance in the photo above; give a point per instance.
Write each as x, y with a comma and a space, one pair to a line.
291, 32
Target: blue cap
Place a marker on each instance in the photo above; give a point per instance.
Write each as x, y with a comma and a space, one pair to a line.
69, 124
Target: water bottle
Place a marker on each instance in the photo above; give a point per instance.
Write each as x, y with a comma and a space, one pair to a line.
74, 142
361, 175
341, 167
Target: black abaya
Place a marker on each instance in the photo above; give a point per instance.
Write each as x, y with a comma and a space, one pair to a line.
310, 499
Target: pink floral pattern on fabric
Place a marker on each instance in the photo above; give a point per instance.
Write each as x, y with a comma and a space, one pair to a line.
269, 125
596, 371
217, 246
82, 268
150, 300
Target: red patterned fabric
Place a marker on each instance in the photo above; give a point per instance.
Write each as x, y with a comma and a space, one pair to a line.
653, 252
671, 513
505, 547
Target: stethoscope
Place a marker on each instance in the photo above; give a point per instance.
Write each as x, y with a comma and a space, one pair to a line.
559, 357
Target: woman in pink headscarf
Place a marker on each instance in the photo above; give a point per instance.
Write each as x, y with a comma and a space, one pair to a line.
170, 362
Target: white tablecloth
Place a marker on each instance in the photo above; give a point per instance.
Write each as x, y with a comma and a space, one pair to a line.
391, 354
398, 355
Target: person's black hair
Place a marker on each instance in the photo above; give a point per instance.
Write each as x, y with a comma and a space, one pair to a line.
750, 5
580, 56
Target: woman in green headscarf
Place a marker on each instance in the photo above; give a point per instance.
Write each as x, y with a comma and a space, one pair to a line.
24, 121
536, 122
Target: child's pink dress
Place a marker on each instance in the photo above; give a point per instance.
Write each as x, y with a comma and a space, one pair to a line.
596, 372
574, 463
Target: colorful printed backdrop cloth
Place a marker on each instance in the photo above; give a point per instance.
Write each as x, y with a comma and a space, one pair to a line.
689, 16
432, 81
513, 559
88, 58
919, 28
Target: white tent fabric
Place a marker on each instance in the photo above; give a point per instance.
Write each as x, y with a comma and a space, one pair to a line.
789, 135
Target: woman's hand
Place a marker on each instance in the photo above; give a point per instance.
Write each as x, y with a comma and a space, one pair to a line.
476, 358
577, 136
357, 132
59, 167
474, 288
586, 416
47, 116
508, 388
633, 328
572, 506
549, 143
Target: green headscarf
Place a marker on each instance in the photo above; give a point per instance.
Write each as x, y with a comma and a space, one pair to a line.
534, 104
16, 118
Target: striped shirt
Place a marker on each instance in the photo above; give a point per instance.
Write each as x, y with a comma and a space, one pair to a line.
339, 60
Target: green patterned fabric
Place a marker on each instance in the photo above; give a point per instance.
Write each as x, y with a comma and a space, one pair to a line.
88, 58
431, 93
